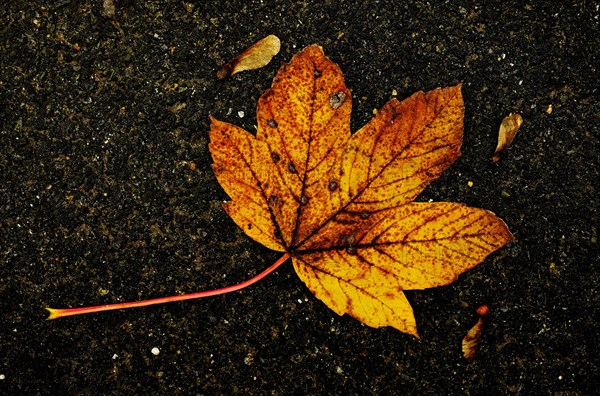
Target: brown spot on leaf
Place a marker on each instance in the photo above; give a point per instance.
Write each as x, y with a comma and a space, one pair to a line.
303, 200
273, 201
351, 240
275, 157
332, 186
272, 123
336, 100
364, 215
292, 168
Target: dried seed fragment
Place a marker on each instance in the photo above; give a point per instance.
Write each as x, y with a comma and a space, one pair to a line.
255, 57
483, 310
507, 132
471, 340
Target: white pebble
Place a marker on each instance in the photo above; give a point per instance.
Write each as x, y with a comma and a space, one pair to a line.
241, 114
155, 351
2, 376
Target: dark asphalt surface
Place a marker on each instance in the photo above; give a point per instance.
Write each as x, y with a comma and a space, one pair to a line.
101, 118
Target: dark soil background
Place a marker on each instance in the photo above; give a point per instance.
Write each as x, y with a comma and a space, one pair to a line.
101, 119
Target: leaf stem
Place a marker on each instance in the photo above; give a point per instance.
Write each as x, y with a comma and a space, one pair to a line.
59, 313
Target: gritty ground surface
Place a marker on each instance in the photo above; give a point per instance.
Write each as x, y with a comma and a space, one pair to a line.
101, 118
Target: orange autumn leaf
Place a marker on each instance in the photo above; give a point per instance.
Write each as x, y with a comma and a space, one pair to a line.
341, 204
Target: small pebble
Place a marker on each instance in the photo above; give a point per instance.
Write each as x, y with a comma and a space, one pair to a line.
155, 351
241, 114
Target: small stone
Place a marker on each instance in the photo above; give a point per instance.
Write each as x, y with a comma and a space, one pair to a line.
155, 351
241, 114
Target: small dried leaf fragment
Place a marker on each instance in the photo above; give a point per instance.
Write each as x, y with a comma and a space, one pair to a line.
507, 132
470, 342
257, 56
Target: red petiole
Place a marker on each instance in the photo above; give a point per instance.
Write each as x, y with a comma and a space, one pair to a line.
59, 313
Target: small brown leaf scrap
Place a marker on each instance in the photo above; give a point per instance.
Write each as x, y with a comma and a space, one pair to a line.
257, 56
471, 341
507, 132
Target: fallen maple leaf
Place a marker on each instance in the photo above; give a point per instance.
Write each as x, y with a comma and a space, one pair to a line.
340, 205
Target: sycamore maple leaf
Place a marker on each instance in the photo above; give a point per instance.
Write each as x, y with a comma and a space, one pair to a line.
340, 205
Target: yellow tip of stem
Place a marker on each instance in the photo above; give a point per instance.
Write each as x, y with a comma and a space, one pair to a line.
54, 313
